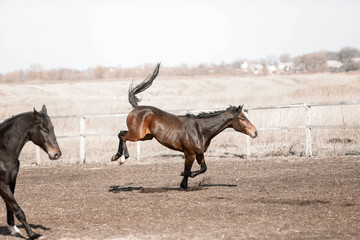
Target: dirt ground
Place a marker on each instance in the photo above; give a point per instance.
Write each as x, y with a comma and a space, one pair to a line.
266, 198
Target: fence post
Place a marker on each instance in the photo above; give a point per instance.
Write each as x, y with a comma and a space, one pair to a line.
38, 155
82, 139
138, 150
247, 138
308, 143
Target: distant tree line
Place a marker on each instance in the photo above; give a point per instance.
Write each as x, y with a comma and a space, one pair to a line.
347, 59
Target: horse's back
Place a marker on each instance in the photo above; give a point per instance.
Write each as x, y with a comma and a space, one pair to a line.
165, 127
144, 112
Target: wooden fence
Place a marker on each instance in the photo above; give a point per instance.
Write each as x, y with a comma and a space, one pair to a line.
307, 120
307, 126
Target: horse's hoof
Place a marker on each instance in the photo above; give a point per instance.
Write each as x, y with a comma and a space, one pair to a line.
122, 160
115, 157
14, 230
36, 236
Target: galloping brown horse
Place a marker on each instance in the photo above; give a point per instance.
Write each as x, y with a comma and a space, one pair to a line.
190, 134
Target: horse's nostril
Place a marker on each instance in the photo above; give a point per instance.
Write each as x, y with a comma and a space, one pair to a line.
253, 134
57, 155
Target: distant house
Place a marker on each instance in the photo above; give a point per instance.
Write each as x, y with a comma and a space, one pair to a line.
244, 66
355, 60
271, 68
285, 66
256, 68
333, 64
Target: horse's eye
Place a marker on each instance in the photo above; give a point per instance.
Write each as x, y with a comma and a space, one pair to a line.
44, 129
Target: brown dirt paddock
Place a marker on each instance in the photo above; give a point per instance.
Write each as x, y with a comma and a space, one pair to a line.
267, 198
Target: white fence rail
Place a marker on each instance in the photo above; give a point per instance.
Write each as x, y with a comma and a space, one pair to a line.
307, 126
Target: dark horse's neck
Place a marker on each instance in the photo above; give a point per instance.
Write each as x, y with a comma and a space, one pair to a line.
215, 123
14, 134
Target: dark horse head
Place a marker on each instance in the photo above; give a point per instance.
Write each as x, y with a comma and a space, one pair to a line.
42, 134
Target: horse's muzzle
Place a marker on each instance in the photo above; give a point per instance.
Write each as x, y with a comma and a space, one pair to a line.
55, 156
253, 135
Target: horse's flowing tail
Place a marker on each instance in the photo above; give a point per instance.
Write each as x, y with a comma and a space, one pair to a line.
133, 99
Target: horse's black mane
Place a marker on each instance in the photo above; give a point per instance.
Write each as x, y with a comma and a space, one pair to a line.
9, 120
232, 109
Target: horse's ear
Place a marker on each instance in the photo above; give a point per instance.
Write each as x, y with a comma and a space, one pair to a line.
239, 109
44, 110
36, 116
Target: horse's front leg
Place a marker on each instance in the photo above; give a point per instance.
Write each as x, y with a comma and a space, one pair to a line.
189, 160
201, 161
11, 222
14, 207
10, 215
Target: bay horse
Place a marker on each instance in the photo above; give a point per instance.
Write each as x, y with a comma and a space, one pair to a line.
190, 134
14, 133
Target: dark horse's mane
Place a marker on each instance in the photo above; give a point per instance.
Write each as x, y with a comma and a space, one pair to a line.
232, 109
11, 119
6, 125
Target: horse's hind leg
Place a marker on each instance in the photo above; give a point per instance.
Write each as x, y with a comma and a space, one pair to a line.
122, 149
122, 139
126, 136
126, 151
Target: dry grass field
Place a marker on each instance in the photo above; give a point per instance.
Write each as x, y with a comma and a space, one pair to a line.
110, 96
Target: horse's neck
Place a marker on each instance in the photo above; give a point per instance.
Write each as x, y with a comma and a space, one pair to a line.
212, 126
16, 136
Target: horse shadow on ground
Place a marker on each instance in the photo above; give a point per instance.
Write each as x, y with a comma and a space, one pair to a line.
4, 231
118, 189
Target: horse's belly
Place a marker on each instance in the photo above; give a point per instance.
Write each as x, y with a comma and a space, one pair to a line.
173, 145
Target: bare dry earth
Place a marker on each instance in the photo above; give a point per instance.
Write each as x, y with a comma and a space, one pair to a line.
268, 198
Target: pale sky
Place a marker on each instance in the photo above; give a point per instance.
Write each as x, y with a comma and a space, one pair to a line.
81, 34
